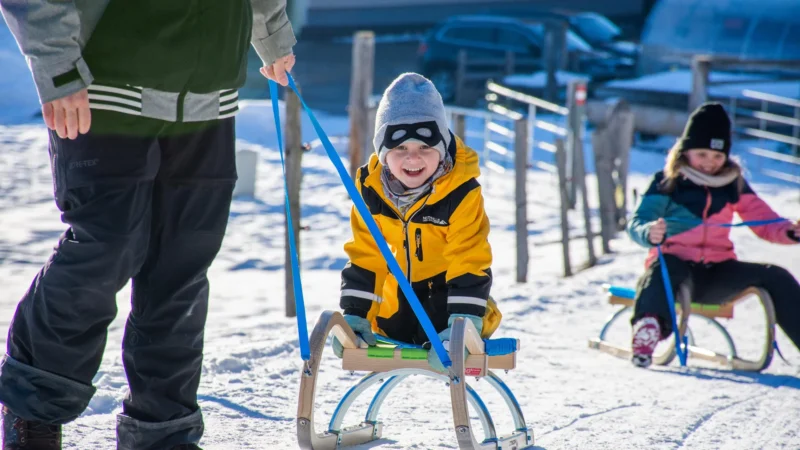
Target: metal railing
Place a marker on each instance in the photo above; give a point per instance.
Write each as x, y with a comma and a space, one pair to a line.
778, 127
512, 127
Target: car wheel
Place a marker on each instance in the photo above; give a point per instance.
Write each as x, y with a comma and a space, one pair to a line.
445, 82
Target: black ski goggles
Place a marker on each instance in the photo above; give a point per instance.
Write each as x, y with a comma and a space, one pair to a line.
427, 132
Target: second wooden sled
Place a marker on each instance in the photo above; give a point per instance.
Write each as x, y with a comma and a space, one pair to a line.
709, 314
392, 366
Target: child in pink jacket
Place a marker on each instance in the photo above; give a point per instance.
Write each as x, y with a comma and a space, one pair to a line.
699, 189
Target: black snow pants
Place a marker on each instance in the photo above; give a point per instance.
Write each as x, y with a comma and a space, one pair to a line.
150, 206
718, 283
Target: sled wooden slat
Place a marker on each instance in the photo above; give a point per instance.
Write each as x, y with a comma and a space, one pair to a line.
712, 311
476, 364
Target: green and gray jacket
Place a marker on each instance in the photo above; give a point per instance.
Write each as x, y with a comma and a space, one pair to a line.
174, 60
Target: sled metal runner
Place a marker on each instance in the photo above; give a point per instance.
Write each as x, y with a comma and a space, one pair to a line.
707, 313
389, 369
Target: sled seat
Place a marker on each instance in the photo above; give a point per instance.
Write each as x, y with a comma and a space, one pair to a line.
618, 295
390, 355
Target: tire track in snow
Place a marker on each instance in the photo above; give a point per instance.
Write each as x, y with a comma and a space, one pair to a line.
587, 416
706, 417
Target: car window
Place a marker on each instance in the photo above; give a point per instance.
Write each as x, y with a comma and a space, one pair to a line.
764, 39
574, 42
791, 43
513, 40
731, 35
473, 34
596, 27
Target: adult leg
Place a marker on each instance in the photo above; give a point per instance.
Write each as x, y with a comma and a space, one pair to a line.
163, 345
103, 186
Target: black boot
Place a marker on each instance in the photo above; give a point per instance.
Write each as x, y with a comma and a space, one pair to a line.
21, 434
186, 447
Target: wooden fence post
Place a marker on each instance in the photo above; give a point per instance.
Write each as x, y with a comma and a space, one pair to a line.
612, 142
510, 63
553, 56
361, 81
368, 149
580, 181
575, 124
521, 196
461, 77
460, 126
701, 66
294, 155
561, 165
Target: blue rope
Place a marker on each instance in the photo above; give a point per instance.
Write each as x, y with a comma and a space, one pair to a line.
679, 346
671, 301
751, 223
297, 286
363, 211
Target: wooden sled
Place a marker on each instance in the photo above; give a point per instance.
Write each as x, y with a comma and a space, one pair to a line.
391, 366
708, 313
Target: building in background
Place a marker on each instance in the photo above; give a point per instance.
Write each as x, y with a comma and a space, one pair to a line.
747, 29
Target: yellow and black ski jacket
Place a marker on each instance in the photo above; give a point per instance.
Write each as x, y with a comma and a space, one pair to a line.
441, 243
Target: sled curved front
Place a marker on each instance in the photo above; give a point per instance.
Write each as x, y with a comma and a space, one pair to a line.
732, 359
391, 375
465, 337
307, 437
707, 313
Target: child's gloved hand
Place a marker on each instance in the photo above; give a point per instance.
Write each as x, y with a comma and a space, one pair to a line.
657, 231
444, 335
361, 327
795, 230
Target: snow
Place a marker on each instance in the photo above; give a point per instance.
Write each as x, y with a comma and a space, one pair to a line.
539, 79
572, 397
680, 82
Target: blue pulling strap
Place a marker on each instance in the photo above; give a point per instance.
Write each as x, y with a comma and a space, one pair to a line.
297, 286
366, 216
671, 301
749, 223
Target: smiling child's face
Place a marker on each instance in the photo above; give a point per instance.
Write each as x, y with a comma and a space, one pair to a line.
706, 160
412, 162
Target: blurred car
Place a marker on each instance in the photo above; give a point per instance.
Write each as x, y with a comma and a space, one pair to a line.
601, 33
490, 37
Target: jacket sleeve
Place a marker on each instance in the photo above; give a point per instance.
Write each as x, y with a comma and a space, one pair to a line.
651, 208
469, 256
365, 272
48, 34
751, 207
273, 37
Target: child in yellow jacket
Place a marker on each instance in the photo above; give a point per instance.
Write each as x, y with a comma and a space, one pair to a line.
422, 190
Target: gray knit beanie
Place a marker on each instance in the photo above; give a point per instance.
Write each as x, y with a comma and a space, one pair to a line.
411, 99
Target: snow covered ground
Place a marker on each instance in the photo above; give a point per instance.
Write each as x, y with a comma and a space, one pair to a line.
572, 397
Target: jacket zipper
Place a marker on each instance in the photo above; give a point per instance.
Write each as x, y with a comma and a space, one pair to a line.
705, 228
418, 239
406, 243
